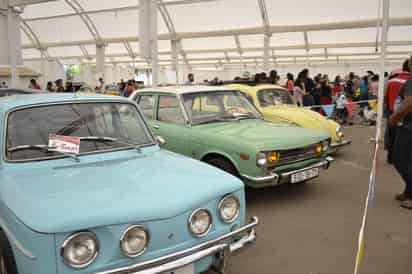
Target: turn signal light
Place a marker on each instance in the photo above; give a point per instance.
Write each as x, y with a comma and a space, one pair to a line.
319, 149
273, 157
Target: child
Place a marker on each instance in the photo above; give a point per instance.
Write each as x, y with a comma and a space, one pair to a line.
341, 102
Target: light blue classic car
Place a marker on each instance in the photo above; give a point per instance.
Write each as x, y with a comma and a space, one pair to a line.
85, 188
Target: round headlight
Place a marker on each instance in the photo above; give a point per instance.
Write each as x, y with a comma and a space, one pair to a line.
261, 159
80, 249
229, 208
134, 241
200, 222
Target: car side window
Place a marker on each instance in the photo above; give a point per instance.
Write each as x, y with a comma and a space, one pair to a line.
147, 105
170, 110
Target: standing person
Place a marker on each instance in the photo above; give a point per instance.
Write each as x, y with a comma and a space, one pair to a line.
122, 87
4, 85
289, 83
34, 85
50, 87
364, 88
308, 98
337, 86
59, 85
374, 86
325, 92
69, 87
299, 91
341, 112
402, 153
129, 88
391, 94
190, 79
273, 77
101, 87
349, 87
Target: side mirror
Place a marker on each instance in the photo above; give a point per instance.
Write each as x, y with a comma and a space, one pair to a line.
160, 140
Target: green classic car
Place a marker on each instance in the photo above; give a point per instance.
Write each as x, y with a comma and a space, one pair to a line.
219, 126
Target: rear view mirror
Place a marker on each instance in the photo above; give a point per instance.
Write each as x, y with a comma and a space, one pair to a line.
160, 140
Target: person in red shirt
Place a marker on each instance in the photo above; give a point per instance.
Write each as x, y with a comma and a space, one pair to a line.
34, 85
337, 87
129, 88
290, 85
395, 83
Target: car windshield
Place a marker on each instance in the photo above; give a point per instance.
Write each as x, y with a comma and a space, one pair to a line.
207, 107
275, 97
99, 126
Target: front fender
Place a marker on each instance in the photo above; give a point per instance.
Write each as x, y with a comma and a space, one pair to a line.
221, 153
34, 252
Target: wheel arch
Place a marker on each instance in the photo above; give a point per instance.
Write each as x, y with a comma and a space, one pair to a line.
216, 154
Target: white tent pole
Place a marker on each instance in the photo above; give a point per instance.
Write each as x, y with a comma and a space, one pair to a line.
43, 69
12, 50
175, 60
384, 35
266, 52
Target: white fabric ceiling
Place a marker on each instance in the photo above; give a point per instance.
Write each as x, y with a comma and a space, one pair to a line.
56, 23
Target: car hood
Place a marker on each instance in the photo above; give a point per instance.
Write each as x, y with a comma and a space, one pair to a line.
262, 135
301, 116
133, 188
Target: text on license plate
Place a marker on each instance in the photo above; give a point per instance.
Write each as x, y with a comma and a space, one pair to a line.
304, 175
185, 270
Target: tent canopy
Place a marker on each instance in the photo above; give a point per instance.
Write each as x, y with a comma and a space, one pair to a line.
217, 31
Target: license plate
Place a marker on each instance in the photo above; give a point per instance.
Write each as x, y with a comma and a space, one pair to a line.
304, 175
185, 270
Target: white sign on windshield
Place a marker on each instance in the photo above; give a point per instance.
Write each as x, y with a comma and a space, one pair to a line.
65, 144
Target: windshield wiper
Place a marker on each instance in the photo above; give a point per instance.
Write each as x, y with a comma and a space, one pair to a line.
103, 139
44, 148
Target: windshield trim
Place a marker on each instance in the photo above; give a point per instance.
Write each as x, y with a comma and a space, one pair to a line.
68, 102
240, 93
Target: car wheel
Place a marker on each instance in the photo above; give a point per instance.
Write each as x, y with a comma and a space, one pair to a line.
224, 165
7, 262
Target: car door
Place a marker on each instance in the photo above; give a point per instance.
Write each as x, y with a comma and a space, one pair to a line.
171, 124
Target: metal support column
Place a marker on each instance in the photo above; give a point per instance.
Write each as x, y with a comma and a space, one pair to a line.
175, 59
100, 60
384, 42
266, 53
12, 51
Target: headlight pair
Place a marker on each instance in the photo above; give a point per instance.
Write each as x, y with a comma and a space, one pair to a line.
267, 159
200, 221
81, 249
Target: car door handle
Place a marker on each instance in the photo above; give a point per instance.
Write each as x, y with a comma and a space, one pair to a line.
156, 126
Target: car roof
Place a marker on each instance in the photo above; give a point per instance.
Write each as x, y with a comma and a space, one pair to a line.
10, 102
22, 91
257, 87
186, 89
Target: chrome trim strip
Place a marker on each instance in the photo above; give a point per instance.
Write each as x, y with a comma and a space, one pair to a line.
275, 177
324, 164
272, 177
16, 242
341, 144
193, 254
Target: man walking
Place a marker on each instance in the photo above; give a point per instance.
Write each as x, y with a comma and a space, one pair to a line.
402, 153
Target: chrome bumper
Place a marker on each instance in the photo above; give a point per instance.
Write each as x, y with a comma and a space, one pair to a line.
275, 178
219, 246
341, 144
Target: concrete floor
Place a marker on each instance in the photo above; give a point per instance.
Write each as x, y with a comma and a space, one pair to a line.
313, 228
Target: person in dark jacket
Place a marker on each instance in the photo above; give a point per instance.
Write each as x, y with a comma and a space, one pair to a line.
402, 152
391, 94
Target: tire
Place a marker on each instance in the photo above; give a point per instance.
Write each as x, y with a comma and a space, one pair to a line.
224, 165
7, 262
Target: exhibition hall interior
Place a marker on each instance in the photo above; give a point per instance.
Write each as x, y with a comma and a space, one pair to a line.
205, 136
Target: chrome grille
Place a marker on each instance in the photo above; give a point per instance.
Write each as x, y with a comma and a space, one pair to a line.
297, 155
